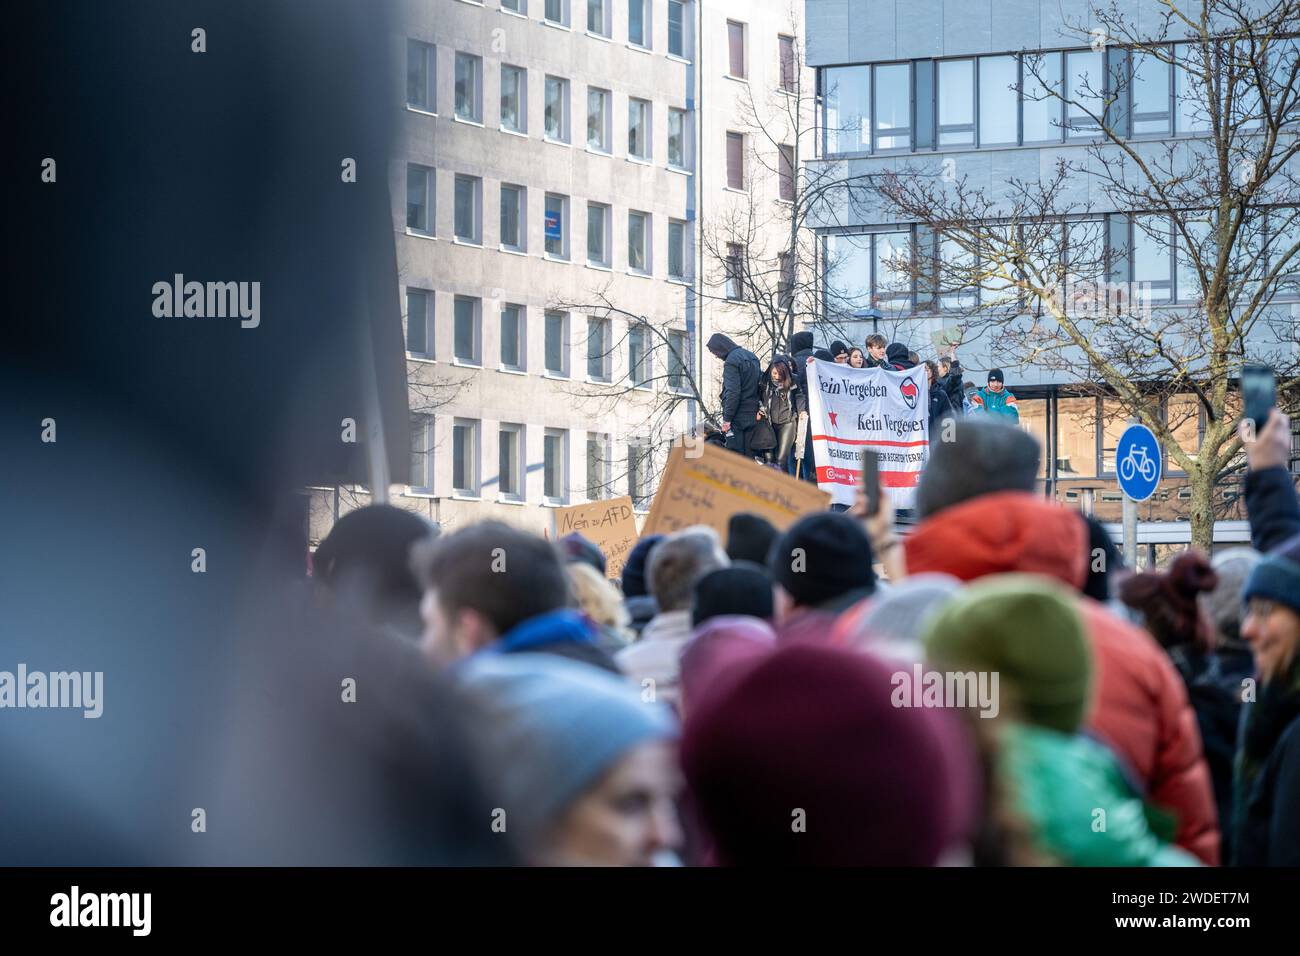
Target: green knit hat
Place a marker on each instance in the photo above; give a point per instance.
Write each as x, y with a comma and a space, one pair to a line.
1025, 628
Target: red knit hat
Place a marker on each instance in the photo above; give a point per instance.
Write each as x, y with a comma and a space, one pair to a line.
806, 761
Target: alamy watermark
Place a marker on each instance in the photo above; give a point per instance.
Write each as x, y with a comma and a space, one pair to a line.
76, 690
922, 688
209, 300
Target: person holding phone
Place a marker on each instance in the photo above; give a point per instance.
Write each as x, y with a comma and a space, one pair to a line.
1271, 505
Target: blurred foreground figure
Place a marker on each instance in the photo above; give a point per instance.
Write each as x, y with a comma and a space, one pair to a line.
587, 769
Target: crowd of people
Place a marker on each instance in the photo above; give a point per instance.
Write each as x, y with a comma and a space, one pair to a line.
765, 413
787, 695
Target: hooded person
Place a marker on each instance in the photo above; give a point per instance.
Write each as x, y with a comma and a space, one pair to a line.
1026, 629
566, 743
950, 380
806, 734
801, 349
994, 399
743, 588
1266, 776
980, 514
889, 625
638, 600
739, 399
822, 565
897, 357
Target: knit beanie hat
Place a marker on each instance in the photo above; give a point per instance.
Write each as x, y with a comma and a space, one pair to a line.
717, 651
896, 354
805, 761
743, 588
550, 728
800, 341
1026, 629
578, 548
749, 538
1167, 600
634, 582
821, 557
838, 348
892, 623
995, 375
984, 456
1277, 576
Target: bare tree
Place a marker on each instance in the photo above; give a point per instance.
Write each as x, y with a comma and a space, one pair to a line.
1057, 271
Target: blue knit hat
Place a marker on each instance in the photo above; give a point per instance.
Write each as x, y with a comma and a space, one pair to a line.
1277, 576
550, 728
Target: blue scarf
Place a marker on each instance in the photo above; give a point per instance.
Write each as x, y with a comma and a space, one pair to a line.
549, 628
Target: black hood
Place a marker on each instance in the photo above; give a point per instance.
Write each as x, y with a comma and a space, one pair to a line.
720, 345
801, 341
896, 354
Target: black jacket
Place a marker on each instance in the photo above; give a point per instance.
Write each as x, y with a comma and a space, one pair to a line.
1267, 824
940, 406
801, 349
740, 374
896, 357
783, 405
1272, 508
952, 384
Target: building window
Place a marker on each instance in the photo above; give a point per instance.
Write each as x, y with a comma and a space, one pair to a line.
1190, 99
469, 87
678, 359
514, 98
735, 160
638, 242
514, 226
957, 102
599, 349
676, 249
421, 476
786, 64
556, 226
1152, 92
1283, 236
466, 334
785, 172
515, 6
598, 110
638, 23
736, 50
893, 106
785, 284
998, 84
510, 461
418, 194
734, 269
598, 465
557, 344
421, 74
512, 337
557, 109
598, 234
677, 28
638, 129
418, 310
598, 18
1087, 84
1153, 258
469, 209
677, 156
638, 355
956, 269
1040, 98
555, 465
464, 457
846, 95
557, 11
864, 270
638, 476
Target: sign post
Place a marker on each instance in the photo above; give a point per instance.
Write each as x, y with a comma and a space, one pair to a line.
1137, 465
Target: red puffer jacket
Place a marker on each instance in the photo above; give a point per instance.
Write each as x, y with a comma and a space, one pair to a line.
1140, 706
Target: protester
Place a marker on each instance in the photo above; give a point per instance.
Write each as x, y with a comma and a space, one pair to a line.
913, 359
1027, 631
639, 602
600, 601
839, 352
1270, 491
782, 403
715, 652
494, 589
743, 588
675, 565
897, 357
940, 406
876, 349
981, 514
857, 359
1105, 563
740, 375
575, 547
950, 374
994, 399
1266, 776
587, 770
801, 348
968, 398
801, 759
889, 624
364, 563
749, 538
822, 564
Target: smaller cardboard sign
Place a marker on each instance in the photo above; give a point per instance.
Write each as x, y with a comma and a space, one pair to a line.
609, 525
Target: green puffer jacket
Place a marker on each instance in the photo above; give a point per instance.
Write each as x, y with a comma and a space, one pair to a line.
1059, 781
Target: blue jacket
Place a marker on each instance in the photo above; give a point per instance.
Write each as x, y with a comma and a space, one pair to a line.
1002, 404
565, 632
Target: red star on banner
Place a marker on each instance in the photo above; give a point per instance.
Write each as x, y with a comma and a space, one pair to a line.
831, 416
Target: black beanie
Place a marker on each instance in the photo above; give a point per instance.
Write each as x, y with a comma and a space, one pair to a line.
838, 348
1097, 584
749, 538
996, 376
821, 557
743, 588
800, 341
634, 568
823, 355
896, 354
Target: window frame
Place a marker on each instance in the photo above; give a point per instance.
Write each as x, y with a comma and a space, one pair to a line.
743, 30
521, 218
475, 183
476, 331
565, 136
521, 74
606, 145
422, 431
429, 305
429, 182
606, 356
512, 434
561, 435
565, 253
564, 345
429, 53
520, 338
472, 464
476, 62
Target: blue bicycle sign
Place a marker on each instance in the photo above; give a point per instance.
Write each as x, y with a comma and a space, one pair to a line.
1137, 462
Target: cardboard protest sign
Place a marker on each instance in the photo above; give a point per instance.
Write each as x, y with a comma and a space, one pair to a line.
707, 485
879, 409
610, 525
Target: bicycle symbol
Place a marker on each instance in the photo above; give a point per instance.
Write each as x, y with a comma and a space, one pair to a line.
1137, 462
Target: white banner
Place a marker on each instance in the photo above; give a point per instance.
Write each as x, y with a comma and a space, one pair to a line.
853, 409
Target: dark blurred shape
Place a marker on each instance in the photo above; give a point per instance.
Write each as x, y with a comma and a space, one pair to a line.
1169, 601
1101, 573
577, 548
743, 588
983, 457
749, 538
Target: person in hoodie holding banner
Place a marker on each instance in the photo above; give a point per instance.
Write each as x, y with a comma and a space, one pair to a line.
884, 410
